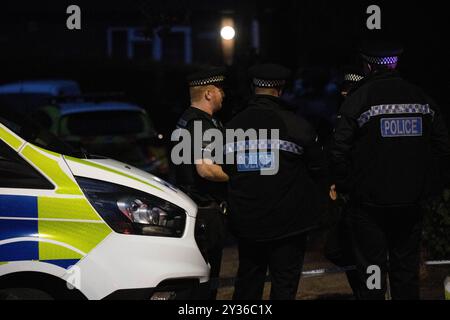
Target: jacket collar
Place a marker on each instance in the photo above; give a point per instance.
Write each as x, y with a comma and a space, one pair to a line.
375, 76
385, 74
268, 101
200, 112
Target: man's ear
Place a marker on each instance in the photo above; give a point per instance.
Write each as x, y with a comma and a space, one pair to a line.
280, 92
208, 94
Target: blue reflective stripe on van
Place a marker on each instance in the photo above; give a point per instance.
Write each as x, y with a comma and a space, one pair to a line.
63, 263
18, 206
20, 251
10, 229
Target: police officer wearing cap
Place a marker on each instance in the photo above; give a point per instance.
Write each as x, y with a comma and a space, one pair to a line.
201, 178
352, 76
270, 214
338, 247
389, 143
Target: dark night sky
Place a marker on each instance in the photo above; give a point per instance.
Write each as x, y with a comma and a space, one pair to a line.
291, 29
294, 33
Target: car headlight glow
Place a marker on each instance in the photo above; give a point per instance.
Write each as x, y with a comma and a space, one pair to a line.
130, 211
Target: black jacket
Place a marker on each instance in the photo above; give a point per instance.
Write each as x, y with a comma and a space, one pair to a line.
390, 145
267, 207
201, 190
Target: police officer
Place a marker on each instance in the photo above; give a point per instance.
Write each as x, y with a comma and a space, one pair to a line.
389, 138
270, 212
352, 76
338, 248
201, 178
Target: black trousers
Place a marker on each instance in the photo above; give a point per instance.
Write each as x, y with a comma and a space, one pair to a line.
283, 258
390, 239
215, 261
212, 239
338, 247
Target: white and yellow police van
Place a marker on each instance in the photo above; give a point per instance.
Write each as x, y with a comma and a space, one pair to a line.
80, 226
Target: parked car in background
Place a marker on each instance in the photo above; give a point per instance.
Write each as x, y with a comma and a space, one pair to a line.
26, 96
117, 130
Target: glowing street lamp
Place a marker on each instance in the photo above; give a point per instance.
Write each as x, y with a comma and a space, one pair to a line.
227, 33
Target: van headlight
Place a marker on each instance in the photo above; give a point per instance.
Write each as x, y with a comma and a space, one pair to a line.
129, 211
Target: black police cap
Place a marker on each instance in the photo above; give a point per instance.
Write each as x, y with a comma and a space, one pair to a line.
269, 75
381, 52
207, 77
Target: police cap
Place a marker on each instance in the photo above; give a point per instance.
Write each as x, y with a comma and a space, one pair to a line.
381, 52
207, 77
352, 74
269, 75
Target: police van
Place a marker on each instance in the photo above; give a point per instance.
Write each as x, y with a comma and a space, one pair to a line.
77, 226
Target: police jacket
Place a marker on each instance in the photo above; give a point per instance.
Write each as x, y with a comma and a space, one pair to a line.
390, 145
201, 190
268, 207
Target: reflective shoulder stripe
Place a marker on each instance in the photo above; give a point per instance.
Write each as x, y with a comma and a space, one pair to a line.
263, 145
386, 109
182, 123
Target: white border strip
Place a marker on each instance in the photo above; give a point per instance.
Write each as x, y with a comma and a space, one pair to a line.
437, 263
51, 219
31, 239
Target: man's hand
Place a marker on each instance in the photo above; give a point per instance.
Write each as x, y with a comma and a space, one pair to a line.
333, 193
210, 171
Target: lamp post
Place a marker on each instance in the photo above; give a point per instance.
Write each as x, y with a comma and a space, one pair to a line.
228, 34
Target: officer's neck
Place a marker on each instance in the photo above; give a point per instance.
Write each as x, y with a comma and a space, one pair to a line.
268, 92
205, 107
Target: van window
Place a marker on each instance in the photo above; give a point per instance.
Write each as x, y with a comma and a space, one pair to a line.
15, 172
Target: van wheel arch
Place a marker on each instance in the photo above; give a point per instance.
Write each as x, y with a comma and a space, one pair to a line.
36, 286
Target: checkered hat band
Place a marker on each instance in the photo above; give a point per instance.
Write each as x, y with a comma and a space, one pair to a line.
389, 109
204, 82
268, 83
353, 77
263, 145
381, 60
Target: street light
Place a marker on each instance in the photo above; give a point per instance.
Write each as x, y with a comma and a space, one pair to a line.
227, 33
